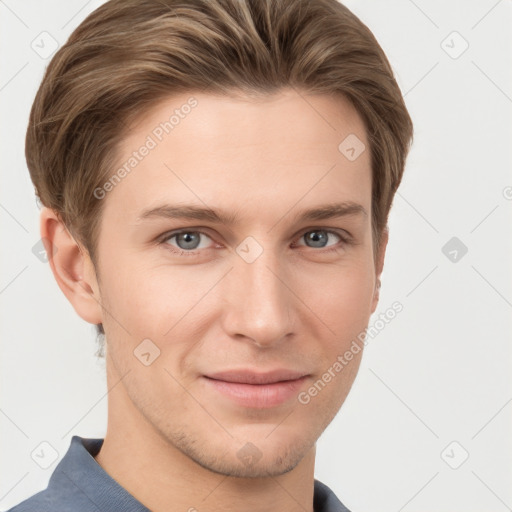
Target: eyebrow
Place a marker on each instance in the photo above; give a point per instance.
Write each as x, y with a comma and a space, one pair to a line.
192, 212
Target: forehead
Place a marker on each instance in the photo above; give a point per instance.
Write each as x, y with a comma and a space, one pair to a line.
245, 152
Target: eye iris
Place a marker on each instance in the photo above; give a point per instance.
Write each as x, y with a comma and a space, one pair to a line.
317, 237
188, 238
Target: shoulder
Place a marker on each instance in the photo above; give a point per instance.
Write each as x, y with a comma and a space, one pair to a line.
324, 499
38, 502
57, 498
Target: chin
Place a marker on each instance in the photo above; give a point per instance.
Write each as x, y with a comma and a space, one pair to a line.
272, 466
268, 454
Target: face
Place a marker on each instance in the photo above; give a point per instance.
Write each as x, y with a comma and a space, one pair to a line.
259, 287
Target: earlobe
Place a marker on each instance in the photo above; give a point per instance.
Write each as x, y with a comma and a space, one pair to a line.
71, 267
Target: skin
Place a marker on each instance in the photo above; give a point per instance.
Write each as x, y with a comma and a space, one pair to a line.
171, 440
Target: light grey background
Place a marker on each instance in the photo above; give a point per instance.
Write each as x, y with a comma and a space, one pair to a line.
438, 373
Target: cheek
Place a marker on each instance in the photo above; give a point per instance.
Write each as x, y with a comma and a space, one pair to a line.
158, 301
341, 297
161, 302
137, 298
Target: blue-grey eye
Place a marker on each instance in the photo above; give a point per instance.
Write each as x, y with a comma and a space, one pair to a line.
188, 240
318, 238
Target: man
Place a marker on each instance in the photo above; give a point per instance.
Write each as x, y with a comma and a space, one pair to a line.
216, 178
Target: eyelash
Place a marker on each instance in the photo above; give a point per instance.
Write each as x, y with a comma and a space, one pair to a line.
345, 239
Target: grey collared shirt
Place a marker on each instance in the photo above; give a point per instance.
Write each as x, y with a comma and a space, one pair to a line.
80, 484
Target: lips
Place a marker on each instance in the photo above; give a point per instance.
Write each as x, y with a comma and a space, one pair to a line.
248, 388
252, 377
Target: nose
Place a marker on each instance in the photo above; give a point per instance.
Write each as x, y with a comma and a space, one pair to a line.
258, 303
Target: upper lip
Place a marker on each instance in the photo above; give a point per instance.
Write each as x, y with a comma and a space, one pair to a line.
253, 377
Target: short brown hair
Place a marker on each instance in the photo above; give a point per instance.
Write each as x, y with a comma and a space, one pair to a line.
128, 55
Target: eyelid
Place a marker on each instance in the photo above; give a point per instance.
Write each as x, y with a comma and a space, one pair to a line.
343, 235
171, 234
345, 238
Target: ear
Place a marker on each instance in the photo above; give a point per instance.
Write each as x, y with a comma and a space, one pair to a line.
379, 265
71, 266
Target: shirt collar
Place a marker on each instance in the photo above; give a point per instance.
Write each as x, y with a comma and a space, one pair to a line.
90, 479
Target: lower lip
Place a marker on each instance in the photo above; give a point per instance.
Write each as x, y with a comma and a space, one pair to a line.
261, 396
